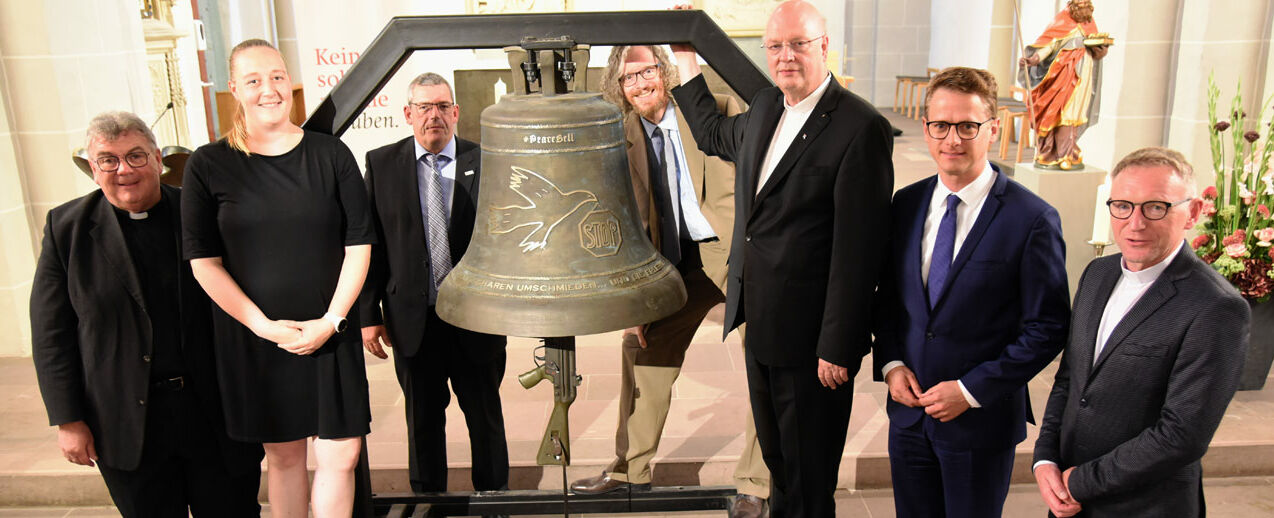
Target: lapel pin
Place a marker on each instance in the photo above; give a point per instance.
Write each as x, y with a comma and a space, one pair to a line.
469, 172
803, 136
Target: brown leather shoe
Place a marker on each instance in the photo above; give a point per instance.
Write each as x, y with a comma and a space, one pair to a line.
604, 484
748, 506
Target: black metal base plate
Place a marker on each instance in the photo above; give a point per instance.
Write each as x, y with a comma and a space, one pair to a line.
548, 502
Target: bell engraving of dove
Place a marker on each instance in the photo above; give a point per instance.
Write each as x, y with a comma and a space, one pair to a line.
546, 207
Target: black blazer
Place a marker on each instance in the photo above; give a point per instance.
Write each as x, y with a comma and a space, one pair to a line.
90, 333
398, 277
1135, 424
808, 248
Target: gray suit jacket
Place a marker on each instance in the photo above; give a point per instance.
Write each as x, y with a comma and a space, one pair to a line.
1136, 422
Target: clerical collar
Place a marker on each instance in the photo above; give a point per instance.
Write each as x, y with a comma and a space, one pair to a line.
1149, 275
140, 215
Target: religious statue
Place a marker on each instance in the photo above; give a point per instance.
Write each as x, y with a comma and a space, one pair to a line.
1063, 73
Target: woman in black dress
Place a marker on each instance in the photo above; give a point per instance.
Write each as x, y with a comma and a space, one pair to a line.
277, 230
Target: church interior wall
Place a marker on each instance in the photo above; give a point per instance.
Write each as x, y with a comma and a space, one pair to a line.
62, 61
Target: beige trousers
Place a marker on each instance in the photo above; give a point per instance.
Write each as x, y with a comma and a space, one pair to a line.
645, 393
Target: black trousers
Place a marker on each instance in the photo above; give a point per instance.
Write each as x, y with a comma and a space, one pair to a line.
180, 468
476, 382
801, 426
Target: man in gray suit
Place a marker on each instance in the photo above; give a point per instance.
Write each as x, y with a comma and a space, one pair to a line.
1156, 344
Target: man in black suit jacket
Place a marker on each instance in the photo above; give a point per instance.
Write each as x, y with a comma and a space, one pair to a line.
121, 337
414, 254
813, 180
1156, 345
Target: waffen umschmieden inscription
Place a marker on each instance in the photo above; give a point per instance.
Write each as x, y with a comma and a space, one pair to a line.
546, 207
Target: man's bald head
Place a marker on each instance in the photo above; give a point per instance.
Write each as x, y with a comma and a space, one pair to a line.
796, 49
798, 12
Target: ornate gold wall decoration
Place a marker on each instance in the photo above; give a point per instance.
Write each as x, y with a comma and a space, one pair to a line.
165, 76
517, 6
739, 18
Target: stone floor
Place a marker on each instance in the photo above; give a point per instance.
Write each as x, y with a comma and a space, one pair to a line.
1242, 497
702, 439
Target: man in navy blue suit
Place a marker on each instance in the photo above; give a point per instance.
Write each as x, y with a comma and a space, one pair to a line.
974, 304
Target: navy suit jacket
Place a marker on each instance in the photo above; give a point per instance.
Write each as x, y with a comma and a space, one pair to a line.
1001, 317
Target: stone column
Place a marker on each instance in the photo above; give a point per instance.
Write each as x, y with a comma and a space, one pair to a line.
961, 34
62, 62
887, 38
1001, 59
1233, 43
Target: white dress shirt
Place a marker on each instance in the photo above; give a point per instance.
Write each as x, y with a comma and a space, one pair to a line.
972, 198
790, 124
687, 205
1128, 290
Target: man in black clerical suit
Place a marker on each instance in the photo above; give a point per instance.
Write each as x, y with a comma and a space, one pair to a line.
812, 186
122, 341
423, 191
1157, 341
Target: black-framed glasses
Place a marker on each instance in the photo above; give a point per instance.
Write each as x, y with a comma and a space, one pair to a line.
1151, 210
798, 47
647, 73
967, 130
110, 163
423, 108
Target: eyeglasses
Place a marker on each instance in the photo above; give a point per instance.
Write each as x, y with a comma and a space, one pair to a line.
798, 47
967, 130
647, 73
423, 108
1151, 210
110, 163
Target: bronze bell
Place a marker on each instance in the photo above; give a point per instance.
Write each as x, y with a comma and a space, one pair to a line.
557, 247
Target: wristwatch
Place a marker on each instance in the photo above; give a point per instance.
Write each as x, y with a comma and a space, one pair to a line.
338, 322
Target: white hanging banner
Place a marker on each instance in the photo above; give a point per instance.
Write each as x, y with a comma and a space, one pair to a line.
331, 41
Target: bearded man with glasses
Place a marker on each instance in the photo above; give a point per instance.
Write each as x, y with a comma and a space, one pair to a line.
1157, 340
423, 192
973, 305
685, 203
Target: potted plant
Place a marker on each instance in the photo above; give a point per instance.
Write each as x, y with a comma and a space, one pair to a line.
1236, 233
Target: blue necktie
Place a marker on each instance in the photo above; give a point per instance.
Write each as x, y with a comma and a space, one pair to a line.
943, 250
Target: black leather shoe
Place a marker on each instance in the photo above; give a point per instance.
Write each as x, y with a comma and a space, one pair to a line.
604, 484
748, 506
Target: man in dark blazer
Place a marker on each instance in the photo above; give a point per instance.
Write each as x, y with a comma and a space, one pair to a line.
122, 340
668, 169
423, 192
813, 179
1156, 344
974, 303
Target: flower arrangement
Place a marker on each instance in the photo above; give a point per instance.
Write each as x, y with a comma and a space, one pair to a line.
1236, 235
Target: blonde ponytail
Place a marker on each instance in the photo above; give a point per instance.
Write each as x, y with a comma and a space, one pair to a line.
237, 137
